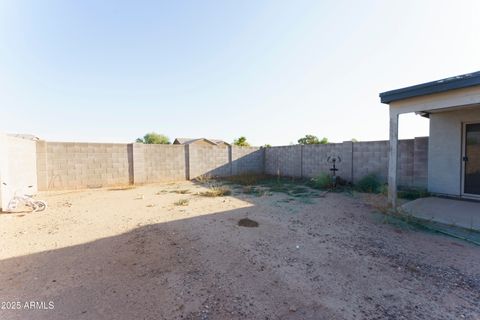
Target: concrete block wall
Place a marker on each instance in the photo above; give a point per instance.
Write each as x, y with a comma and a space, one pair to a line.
405, 162
138, 159
247, 160
42, 171
164, 163
83, 165
64, 165
209, 160
284, 161
370, 157
315, 159
357, 160
420, 162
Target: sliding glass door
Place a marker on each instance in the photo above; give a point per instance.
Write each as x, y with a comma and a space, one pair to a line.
471, 159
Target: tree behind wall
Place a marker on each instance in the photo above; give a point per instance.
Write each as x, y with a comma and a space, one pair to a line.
241, 142
311, 139
154, 138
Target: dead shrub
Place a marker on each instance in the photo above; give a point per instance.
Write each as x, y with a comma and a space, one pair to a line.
120, 188
181, 202
183, 191
216, 191
203, 179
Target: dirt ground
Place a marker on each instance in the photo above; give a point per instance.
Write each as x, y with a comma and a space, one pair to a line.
135, 254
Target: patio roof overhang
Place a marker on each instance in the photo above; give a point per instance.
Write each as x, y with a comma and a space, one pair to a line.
453, 93
452, 83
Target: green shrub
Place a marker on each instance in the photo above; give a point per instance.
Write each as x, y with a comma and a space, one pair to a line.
370, 183
322, 181
248, 189
247, 179
383, 189
412, 193
341, 182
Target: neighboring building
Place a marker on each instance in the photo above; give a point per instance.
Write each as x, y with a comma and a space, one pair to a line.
453, 107
26, 136
201, 141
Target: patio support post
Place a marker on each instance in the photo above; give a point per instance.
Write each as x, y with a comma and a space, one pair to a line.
392, 160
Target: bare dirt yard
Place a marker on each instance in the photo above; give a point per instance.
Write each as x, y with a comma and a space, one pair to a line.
164, 251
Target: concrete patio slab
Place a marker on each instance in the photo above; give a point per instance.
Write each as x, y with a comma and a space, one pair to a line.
457, 212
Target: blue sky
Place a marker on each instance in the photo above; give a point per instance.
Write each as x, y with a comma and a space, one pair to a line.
270, 70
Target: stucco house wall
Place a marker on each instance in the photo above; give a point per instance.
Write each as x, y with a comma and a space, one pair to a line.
18, 167
445, 149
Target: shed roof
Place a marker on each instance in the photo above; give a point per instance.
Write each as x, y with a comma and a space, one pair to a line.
457, 82
192, 140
